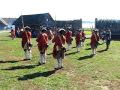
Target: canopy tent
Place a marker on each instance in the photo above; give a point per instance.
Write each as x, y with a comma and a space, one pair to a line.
2, 24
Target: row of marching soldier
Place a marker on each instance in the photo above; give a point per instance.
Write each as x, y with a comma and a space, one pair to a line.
59, 37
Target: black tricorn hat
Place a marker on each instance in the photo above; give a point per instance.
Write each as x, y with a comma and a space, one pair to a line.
27, 28
44, 29
62, 31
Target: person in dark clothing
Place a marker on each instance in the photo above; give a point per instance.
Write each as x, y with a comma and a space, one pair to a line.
108, 39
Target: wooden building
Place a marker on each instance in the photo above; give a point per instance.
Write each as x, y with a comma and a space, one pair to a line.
74, 24
113, 25
34, 21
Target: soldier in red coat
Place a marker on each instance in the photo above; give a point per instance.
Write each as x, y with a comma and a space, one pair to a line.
13, 34
69, 38
26, 42
78, 39
42, 40
94, 41
59, 49
83, 38
50, 36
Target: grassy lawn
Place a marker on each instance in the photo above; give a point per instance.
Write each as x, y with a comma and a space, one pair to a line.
88, 32
81, 71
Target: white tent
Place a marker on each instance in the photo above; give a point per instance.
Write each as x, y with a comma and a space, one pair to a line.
2, 24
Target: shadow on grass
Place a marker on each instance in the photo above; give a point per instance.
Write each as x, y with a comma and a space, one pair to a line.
21, 67
71, 53
12, 61
73, 47
101, 43
86, 57
8, 61
102, 50
49, 53
4, 40
88, 49
87, 44
35, 75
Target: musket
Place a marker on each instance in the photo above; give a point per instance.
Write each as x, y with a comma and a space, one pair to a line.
55, 22
22, 21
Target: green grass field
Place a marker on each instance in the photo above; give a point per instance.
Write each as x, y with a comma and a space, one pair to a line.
80, 72
88, 32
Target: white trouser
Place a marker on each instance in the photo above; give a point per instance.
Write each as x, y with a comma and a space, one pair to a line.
83, 44
78, 47
94, 51
28, 54
59, 63
68, 46
43, 58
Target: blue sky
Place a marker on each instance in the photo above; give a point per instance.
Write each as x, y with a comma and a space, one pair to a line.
63, 9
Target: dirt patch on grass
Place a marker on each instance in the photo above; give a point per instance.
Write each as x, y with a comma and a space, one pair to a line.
114, 85
13, 58
106, 84
10, 59
28, 85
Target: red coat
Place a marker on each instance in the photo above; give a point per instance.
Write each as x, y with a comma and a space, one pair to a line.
59, 42
68, 36
42, 40
50, 35
83, 36
12, 33
78, 38
26, 37
94, 39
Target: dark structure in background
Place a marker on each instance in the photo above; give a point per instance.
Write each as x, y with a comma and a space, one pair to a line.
34, 21
113, 25
74, 24
3, 24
